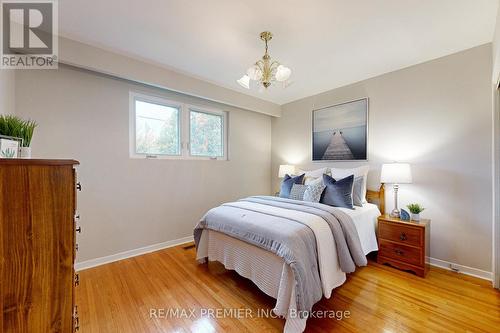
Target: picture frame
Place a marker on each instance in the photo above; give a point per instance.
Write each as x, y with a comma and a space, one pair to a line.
340, 132
10, 146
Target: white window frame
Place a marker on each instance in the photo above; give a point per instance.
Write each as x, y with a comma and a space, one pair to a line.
184, 128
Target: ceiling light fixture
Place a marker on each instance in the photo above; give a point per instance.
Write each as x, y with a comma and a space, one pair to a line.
265, 70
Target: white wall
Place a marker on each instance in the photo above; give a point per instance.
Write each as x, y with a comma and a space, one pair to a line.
89, 57
130, 203
7, 94
496, 150
436, 116
496, 50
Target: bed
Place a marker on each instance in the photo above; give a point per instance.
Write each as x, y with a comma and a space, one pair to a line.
274, 273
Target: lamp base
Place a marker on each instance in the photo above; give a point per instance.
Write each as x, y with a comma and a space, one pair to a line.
395, 213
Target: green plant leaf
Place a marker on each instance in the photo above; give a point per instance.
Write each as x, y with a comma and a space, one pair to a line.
415, 208
16, 127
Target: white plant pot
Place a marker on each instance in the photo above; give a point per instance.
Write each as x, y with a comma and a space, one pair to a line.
25, 152
415, 217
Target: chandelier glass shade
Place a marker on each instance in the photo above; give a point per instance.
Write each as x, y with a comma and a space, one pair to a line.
265, 70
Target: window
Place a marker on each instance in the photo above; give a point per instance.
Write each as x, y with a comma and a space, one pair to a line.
206, 134
156, 129
166, 129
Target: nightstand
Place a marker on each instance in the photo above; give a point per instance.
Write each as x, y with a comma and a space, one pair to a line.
403, 244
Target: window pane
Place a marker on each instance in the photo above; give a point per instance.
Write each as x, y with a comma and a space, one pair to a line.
206, 134
156, 129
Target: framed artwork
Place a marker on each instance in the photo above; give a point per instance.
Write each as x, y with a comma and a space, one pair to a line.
340, 132
9, 147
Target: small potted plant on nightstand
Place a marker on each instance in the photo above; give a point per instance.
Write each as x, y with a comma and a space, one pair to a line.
415, 210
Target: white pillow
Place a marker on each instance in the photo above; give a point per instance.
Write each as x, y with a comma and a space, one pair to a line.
312, 175
357, 172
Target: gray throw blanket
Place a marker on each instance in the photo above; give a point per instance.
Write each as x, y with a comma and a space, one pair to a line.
289, 239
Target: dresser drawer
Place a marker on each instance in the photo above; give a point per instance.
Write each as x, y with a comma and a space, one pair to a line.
401, 233
407, 254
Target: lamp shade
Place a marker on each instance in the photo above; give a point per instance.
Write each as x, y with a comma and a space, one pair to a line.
244, 81
396, 173
282, 73
286, 169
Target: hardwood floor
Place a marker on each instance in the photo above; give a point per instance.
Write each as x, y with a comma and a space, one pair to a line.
118, 297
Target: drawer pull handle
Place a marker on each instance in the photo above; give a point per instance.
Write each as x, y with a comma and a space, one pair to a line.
79, 230
399, 252
76, 247
77, 280
403, 236
79, 186
76, 319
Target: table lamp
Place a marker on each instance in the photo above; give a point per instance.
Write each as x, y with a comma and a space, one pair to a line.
396, 173
286, 169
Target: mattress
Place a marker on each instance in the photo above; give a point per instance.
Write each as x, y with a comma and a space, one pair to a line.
269, 272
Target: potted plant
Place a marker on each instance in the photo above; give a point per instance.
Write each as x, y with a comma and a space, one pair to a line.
415, 210
28, 128
15, 127
10, 141
10, 126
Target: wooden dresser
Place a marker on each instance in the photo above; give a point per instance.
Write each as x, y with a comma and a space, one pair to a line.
403, 244
37, 246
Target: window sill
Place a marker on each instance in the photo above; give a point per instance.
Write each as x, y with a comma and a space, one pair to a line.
181, 158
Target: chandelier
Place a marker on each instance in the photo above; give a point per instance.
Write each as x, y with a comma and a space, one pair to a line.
265, 70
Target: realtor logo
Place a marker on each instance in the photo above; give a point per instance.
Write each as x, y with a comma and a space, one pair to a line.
29, 34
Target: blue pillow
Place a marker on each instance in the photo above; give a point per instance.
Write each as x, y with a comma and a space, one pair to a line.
286, 185
338, 193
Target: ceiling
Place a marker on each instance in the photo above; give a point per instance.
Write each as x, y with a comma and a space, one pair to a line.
326, 43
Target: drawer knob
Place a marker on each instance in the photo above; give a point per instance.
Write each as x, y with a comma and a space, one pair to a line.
79, 230
403, 236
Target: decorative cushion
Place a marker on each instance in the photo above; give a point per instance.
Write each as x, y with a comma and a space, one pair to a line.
357, 172
286, 185
357, 192
297, 192
338, 193
314, 191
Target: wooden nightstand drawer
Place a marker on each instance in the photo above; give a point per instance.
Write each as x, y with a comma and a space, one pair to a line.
400, 233
403, 244
407, 254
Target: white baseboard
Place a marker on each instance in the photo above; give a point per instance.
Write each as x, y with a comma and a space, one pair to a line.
131, 253
460, 268
160, 246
